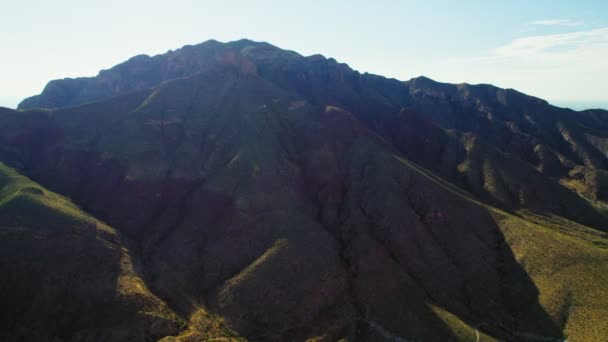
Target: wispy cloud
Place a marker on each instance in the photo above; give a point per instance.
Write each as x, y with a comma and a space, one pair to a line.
557, 22
570, 65
590, 46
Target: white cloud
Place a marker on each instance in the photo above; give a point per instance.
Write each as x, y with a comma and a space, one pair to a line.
589, 48
557, 22
570, 65
582, 47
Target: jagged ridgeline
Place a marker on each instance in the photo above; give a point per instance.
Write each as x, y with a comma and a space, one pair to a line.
257, 194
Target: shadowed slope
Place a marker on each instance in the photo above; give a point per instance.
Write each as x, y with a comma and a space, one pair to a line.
304, 202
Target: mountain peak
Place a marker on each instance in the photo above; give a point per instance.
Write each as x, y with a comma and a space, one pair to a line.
143, 71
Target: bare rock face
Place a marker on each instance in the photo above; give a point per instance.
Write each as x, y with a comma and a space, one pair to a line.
259, 194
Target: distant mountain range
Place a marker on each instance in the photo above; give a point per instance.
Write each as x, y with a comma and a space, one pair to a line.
580, 104
238, 191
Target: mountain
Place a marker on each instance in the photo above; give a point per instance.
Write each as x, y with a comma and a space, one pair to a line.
264, 195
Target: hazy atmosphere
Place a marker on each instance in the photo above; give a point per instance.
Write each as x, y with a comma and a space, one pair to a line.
554, 50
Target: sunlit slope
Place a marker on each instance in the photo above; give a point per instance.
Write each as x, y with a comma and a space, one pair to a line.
568, 263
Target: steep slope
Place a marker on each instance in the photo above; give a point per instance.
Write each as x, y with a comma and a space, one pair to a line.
66, 275
280, 197
564, 145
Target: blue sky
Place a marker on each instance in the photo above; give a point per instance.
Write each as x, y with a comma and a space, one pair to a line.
557, 50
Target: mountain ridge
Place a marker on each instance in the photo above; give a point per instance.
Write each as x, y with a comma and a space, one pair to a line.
25, 104
64, 88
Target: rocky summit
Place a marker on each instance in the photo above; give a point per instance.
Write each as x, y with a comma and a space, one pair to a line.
238, 191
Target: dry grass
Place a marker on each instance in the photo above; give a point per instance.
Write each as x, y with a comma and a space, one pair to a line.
568, 263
